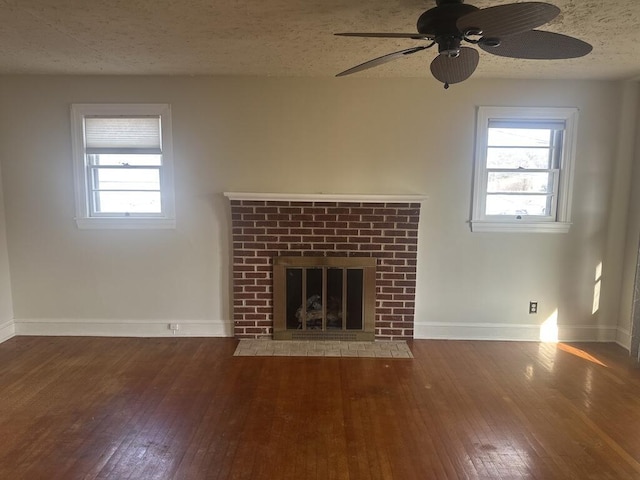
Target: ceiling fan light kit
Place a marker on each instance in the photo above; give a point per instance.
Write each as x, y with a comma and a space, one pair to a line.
504, 30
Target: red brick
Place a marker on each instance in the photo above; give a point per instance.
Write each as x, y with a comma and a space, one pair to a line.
389, 331
323, 246
253, 231
405, 269
300, 246
291, 239
241, 309
403, 311
255, 303
407, 241
244, 323
301, 231
255, 288
346, 246
256, 261
243, 296
348, 218
256, 275
289, 224
266, 210
325, 218
242, 210
407, 226
409, 211
302, 218
339, 210
254, 330
403, 297
290, 210
336, 224
314, 210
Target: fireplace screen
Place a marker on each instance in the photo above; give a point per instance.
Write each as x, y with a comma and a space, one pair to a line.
324, 298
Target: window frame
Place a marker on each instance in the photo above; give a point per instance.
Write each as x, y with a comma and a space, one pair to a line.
559, 220
86, 217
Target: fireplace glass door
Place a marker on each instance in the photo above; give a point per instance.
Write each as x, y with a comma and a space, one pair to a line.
324, 298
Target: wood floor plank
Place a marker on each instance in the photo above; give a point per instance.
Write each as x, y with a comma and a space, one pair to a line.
185, 408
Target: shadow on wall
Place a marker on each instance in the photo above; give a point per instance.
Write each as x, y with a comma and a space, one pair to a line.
635, 312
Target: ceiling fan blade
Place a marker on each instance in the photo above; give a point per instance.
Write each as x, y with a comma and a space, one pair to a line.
414, 36
450, 70
380, 60
511, 19
539, 45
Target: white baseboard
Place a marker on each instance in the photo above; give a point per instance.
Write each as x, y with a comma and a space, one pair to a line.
507, 332
123, 328
7, 330
623, 338
220, 328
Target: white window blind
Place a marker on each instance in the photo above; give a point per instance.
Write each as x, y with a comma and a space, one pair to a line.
122, 135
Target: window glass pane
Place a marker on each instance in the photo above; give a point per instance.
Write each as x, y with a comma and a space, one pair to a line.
127, 202
519, 137
126, 179
538, 158
519, 182
518, 205
125, 159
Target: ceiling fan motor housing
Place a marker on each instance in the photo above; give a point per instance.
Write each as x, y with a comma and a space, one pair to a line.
441, 20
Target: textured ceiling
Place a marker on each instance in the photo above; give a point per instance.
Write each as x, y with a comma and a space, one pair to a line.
281, 38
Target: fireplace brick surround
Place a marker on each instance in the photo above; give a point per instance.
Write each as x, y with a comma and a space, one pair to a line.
384, 227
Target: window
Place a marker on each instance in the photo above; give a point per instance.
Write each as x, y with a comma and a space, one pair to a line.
123, 165
523, 169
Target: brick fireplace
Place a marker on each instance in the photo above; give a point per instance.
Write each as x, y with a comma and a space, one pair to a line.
383, 227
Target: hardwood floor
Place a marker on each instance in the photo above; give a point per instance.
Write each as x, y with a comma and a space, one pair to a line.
129, 408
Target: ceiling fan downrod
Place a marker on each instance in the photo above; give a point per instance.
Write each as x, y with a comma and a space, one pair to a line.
449, 46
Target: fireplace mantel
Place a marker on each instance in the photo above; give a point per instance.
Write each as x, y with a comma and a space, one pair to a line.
326, 197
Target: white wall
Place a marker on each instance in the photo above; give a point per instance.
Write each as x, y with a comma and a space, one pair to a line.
630, 251
354, 135
7, 327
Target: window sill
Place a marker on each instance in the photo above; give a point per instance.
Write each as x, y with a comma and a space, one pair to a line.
520, 227
91, 223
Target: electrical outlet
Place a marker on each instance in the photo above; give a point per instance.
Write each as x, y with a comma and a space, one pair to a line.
533, 307
174, 326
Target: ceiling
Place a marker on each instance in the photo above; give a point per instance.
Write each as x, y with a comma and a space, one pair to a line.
282, 38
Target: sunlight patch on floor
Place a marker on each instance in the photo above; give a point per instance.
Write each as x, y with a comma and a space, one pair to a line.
580, 353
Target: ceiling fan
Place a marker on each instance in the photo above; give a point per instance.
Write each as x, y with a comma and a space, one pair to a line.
504, 30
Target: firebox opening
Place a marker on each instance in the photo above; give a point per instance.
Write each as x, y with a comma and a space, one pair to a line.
324, 298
